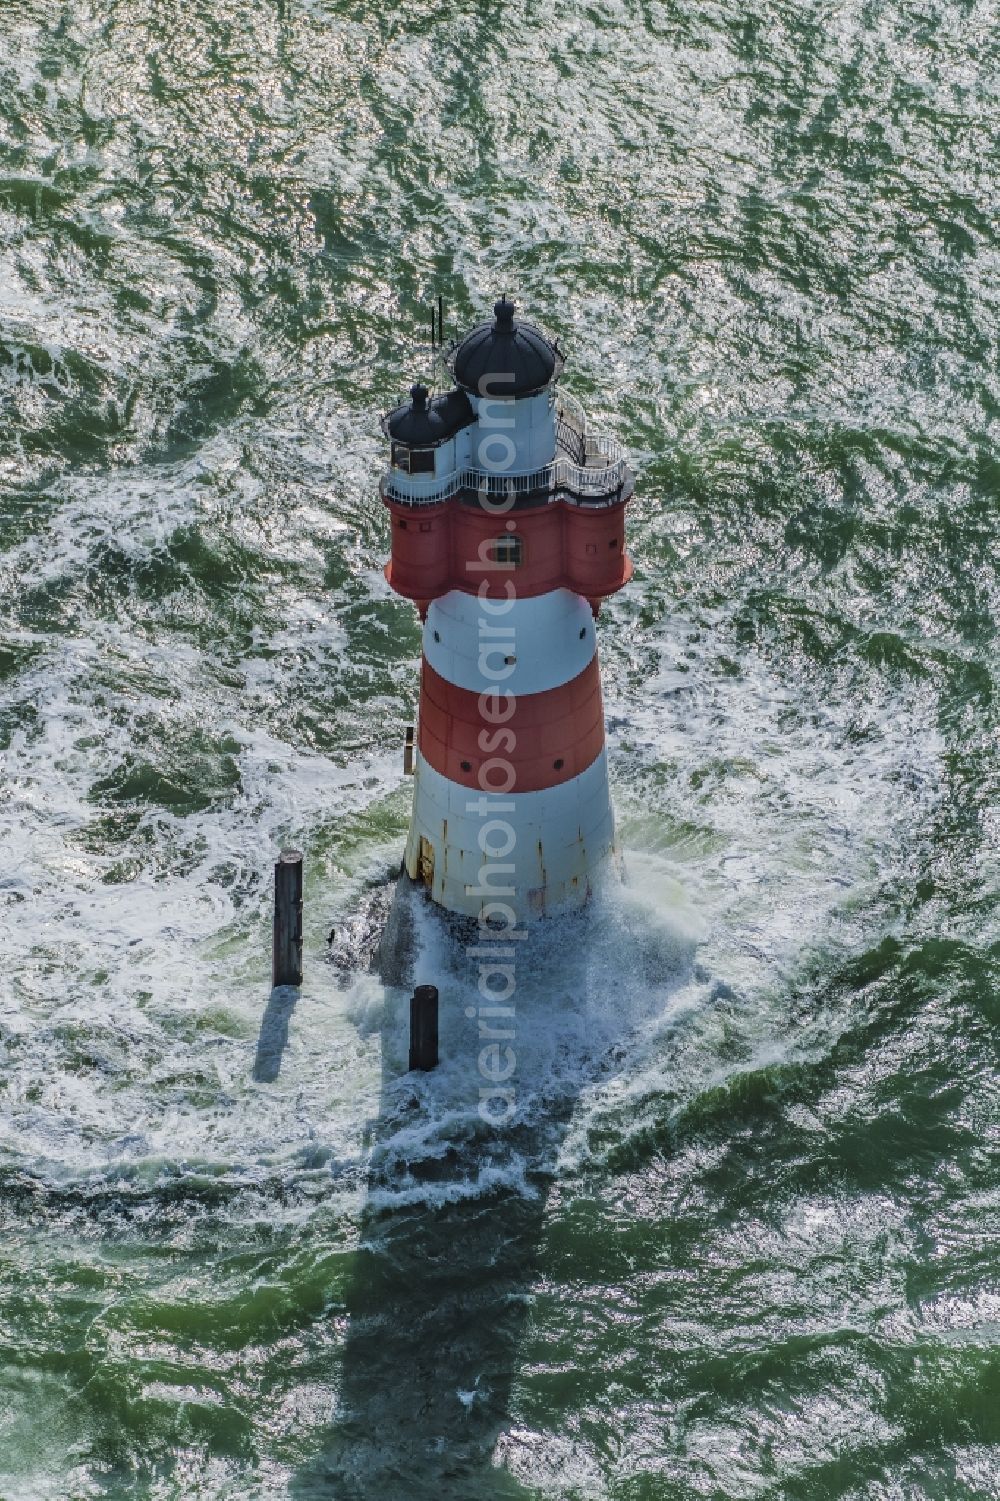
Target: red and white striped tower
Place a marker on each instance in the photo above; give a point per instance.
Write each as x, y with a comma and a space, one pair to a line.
508, 529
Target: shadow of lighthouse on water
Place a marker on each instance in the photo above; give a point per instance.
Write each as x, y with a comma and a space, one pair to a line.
452, 1233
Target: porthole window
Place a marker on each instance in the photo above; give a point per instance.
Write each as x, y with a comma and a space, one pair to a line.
466, 765
558, 764
613, 542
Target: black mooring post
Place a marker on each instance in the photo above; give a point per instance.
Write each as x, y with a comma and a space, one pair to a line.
286, 952
424, 1027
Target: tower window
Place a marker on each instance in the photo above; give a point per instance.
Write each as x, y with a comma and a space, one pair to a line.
507, 550
413, 460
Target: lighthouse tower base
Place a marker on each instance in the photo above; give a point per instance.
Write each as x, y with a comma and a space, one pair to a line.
510, 698
551, 846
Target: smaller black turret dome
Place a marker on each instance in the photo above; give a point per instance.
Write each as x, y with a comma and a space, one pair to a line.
506, 357
420, 423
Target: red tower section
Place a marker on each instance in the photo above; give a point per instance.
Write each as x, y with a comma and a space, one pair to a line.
459, 544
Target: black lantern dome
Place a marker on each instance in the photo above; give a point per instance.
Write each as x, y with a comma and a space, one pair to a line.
506, 357
423, 423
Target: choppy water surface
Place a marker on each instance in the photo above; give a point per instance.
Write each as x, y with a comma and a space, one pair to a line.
741, 1240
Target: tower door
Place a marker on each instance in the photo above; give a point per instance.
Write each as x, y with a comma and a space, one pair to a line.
425, 863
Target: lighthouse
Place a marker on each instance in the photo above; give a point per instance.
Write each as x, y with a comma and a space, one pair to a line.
508, 531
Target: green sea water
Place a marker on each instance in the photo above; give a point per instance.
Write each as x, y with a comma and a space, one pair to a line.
741, 1239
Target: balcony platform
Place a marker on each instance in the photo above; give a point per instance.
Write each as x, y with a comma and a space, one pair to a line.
587, 472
